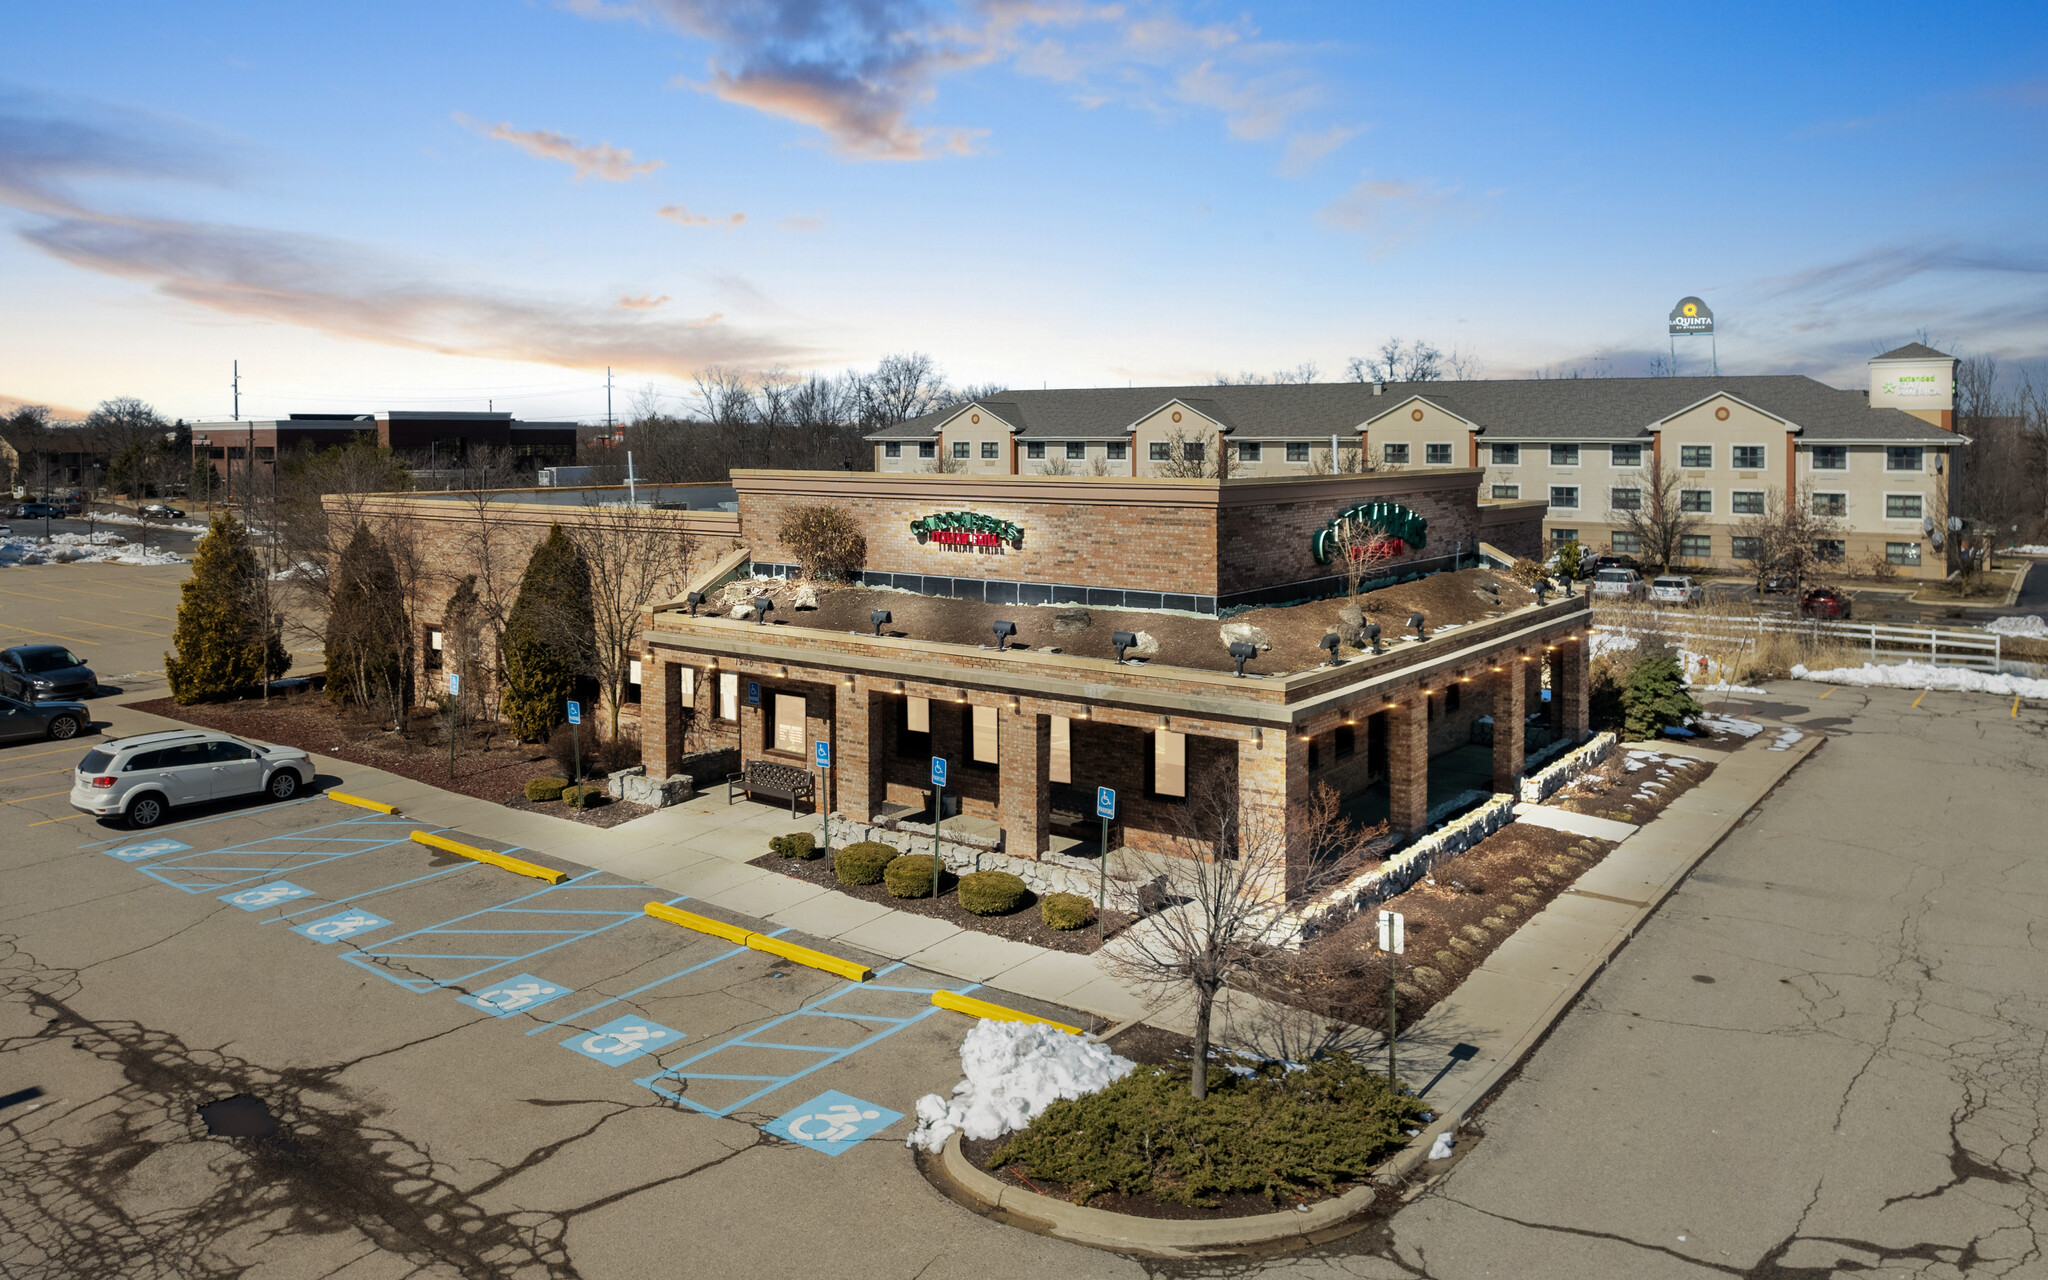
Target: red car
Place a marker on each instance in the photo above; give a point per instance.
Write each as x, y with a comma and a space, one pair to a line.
1825, 602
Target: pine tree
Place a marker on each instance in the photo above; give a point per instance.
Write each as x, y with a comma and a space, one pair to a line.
549, 636
225, 642
368, 660
1653, 696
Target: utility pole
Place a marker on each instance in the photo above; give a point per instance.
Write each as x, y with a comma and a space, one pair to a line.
607, 402
238, 390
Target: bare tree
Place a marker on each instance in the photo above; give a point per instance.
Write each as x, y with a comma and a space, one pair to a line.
1347, 461
1187, 457
1658, 519
1420, 361
635, 555
1784, 540
1305, 372
1363, 547
902, 387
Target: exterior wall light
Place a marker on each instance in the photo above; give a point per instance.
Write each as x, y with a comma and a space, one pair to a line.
694, 599
1014, 705
1241, 653
1003, 630
1123, 640
881, 618
763, 606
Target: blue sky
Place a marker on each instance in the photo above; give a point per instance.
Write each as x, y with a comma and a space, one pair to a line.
436, 205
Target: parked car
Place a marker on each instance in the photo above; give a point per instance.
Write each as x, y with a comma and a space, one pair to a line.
1825, 602
59, 720
1778, 584
142, 778
1612, 561
45, 672
1676, 590
158, 511
38, 510
1626, 584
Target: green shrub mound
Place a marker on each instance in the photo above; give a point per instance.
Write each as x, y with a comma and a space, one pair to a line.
910, 876
992, 893
1065, 911
1278, 1133
543, 790
587, 796
797, 844
864, 862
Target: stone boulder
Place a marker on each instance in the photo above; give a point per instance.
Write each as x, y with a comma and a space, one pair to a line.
658, 793
1352, 615
1147, 646
806, 598
1067, 620
742, 611
1245, 633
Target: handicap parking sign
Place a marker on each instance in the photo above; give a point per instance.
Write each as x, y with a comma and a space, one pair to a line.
345, 924
265, 895
514, 995
823, 751
833, 1122
137, 852
938, 771
622, 1040
1105, 802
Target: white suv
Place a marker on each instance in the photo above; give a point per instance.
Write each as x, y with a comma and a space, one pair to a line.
140, 778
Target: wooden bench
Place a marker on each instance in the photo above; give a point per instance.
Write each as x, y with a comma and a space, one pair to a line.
767, 778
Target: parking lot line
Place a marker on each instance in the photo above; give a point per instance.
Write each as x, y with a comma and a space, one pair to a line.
350, 899
53, 751
45, 796
47, 821
1923, 693
154, 635
24, 777
193, 872
204, 822
627, 995
90, 644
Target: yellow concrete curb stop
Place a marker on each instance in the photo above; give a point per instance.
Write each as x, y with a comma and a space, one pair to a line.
983, 1009
518, 866
376, 805
849, 969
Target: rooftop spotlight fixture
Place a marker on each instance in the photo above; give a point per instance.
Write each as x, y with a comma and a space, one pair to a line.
1415, 621
1542, 588
1372, 633
694, 599
1330, 642
1123, 640
1241, 653
1003, 630
763, 606
881, 618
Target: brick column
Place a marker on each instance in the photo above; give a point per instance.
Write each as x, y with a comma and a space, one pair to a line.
1555, 661
857, 756
1408, 763
1577, 666
1270, 772
661, 715
1510, 691
1024, 781
1532, 690
752, 726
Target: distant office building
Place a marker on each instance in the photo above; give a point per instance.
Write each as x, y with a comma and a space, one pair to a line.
431, 441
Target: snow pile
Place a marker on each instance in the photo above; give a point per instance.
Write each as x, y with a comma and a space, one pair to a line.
2029, 550
123, 517
1015, 1070
1441, 1148
1728, 724
1606, 642
1785, 739
1920, 675
76, 548
2024, 625
1725, 687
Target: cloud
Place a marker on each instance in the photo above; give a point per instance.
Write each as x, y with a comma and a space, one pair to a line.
1390, 212
1305, 150
599, 159
46, 142
642, 302
1885, 266
803, 222
684, 218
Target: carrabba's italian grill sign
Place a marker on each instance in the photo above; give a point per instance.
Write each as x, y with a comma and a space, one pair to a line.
968, 529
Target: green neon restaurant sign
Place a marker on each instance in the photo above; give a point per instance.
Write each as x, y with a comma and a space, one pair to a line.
1390, 520
968, 529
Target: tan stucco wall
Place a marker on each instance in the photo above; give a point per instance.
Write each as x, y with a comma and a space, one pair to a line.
980, 431
1399, 424
1159, 425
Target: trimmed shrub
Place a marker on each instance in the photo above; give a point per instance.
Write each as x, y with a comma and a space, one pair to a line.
797, 844
548, 637
583, 797
992, 893
1065, 911
864, 862
826, 541
223, 645
910, 876
1653, 696
542, 790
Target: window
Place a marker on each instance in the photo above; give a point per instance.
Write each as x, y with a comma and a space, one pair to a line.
1902, 506
225, 752
1315, 754
631, 693
960, 450
1745, 547
236, 452
1248, 453
982, 735
1077, 450
219, 452
1437, 455
914, 729
1169, 764
1902, 457
1346, 741
266, 453
1191, 451
1746, 502
1297, 451
1114, 451
1035, 449
1830, 457
1625, 455
1507, 491
1558, 537
1564, 495
1507, 455
1452, 698
1697, 501
728, 695
1696, 457
1564, 455
1394, 455
1748, 457
789, 724
1831, 504
1831, 549
1695, 546
1626, 544
1159, 452
433, 653
988, 450
1625, 499
1905, 553
1059, 766
892, 450
927, 448
686, 691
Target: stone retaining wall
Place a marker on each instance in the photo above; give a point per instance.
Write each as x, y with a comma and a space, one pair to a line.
1540, 786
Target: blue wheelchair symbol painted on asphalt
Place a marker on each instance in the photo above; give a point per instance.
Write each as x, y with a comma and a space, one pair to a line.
622, 1040
346, 924
265, 895
833, 1122
137, 852
514, 995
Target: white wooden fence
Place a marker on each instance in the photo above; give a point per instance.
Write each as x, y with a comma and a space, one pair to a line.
1937, 646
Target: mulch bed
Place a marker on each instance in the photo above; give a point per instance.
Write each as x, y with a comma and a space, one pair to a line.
1343, 974
1615, 791
1021, 925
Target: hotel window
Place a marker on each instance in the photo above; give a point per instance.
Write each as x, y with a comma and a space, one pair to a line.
1394, 455
1248, 453
1746, 547
1346, 741
1077, 450
789, 724
1437, 455
914, 729
1902, 457
1696, 457
927, 448
1695, 546
1746, 502
1628, 498
1564, 455
1297, 451
960, 450
988, 450
1035, 449
1169, 764
1507, 491
433, 654
1158, 452
1564, 496
1625, 455
1558, 537
1059, 765
981, 735
1747, 457
1191, 451
1905, 553
1902, 506
1831, 504
1697, 501
1626, 544
892, 450
1830, 457
1114, 451
632, 694
1507, 455
1832, 549
728, 695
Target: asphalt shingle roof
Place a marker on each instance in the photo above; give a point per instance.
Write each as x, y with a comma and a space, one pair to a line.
1914, 351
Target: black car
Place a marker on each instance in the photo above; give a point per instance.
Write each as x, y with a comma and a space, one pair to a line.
45, 673
59, 720
158, 511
